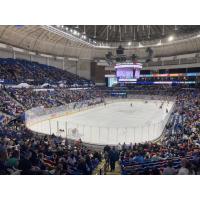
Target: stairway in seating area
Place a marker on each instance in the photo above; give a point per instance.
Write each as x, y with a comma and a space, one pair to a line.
103, 170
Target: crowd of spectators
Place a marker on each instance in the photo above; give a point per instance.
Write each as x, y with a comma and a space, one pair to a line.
52, 97
8, 105
4, 119
167, 79
178, 152
18, 71
25, 152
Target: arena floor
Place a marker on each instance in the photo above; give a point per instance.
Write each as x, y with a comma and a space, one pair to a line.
116, 122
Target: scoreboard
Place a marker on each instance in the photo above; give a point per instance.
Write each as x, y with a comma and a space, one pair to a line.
128, 72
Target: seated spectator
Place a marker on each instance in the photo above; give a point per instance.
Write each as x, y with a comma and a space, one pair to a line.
169, 170
183, 170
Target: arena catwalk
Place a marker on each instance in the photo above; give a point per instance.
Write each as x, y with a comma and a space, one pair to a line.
113, 123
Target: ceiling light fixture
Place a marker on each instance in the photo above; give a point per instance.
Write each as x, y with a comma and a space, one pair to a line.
170, 38
83, 36
84, 32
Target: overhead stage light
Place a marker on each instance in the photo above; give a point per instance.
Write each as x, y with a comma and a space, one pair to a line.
129, 43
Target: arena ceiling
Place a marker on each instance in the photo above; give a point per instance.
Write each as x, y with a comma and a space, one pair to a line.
138, 33
55, 40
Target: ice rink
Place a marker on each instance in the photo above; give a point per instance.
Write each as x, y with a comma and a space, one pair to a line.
116, 122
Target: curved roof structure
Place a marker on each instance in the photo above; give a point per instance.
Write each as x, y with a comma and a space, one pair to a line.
55, 41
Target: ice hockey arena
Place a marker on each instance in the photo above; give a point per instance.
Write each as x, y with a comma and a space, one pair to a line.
122, 123
99, 100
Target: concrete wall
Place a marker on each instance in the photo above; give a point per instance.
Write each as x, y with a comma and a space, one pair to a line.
84, 69
97, 74
6, 53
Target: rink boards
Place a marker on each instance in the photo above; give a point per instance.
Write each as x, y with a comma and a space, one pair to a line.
116, 122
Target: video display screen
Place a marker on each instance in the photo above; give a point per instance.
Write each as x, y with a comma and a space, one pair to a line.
125, 73
112, 81
128, 72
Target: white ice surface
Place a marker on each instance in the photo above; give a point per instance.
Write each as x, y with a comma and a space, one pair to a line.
111, 124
